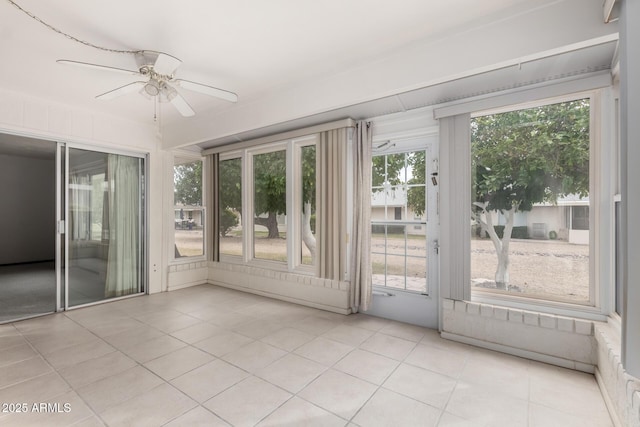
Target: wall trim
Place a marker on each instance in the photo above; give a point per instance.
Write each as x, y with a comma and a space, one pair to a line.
527, 354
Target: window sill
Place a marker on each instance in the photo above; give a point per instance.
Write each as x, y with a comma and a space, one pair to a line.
187, 260
282, 267
541, 306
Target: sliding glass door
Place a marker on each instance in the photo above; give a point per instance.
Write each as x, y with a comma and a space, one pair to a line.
105, 223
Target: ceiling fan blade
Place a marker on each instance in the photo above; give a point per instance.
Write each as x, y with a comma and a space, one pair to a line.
166, 64
207, 90
97, 67
181, 105
122, 90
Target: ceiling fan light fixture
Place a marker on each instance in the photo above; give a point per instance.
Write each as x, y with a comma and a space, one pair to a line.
170, 93
152, 88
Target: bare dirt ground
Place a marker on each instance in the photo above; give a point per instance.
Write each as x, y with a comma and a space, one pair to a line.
190, 242
537, 267
549, 267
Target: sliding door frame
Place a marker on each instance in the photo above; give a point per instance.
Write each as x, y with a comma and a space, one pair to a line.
144, 221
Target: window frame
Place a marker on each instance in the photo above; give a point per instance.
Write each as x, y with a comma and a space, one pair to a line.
231, 155
456, 160
293, 151
177, 159
248, 207
405, 145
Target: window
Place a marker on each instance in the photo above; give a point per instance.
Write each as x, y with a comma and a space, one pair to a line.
269, 178
528, 167
231, 221
399, 248
188, 208
277, 204
308, 192
97, 205
397, 215
580, 217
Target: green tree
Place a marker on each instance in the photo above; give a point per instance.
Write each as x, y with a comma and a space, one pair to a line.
309, 198
416, 195
187, 180
524, 157
270, 190
230, 185
228, 220
389, 170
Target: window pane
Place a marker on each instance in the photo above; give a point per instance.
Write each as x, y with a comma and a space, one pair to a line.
231, 207
308, 244
399, 255
188, 213
530, 175
270, 206
106, 199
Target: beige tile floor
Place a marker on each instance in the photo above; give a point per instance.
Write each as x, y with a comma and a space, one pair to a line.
209, 356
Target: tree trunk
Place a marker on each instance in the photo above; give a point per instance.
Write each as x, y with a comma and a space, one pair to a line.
502, 272
485, 219
307, 235
271, 222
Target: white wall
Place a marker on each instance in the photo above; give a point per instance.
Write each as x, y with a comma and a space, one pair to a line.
552, 216
37, 118
27, 216
459, 52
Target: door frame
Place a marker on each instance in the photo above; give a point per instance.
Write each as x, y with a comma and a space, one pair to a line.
410, 306
62, 212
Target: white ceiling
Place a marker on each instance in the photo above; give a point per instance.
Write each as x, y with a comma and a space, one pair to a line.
252, 47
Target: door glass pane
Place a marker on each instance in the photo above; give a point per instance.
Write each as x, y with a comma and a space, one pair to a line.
398, 229
105, 213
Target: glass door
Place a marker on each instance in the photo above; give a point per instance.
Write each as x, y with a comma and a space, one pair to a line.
104, 241
404, 230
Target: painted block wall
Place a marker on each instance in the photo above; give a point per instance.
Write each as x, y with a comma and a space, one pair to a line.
620, 390
330, 295
557, 340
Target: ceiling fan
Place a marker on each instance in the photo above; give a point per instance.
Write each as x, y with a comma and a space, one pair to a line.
158, 69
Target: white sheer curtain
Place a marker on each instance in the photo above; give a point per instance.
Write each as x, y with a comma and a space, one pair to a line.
360, 294
124, 199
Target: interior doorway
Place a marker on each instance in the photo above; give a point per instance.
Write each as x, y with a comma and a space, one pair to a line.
27, 226
72, 226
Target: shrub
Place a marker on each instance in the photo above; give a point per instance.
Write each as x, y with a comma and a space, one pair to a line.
228, 220
521, 232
